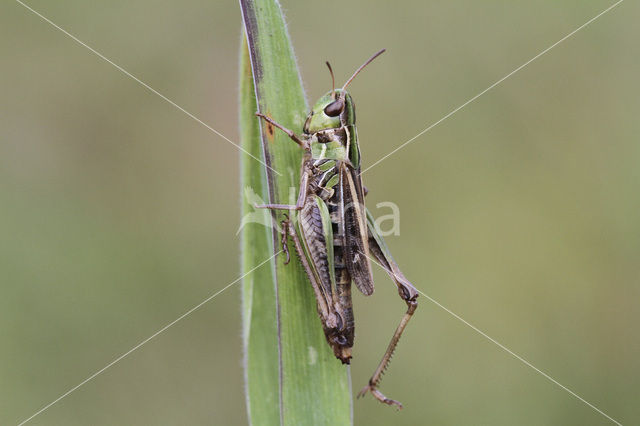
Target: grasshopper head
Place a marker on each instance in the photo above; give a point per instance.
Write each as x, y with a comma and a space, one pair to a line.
333, 110
336, 108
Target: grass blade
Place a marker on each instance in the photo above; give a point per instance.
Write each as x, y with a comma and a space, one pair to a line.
312, 386
261, 359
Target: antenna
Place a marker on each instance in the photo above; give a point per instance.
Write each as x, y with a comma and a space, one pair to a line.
333, 81
361, 67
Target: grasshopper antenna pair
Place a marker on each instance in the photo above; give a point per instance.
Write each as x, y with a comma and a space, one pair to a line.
367, 62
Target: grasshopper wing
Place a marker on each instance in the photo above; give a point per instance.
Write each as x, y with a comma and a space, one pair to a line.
354, 230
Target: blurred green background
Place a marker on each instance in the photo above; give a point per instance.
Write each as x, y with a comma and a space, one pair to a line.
118, 212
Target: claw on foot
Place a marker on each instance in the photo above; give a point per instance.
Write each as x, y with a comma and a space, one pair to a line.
363, 391
286, 252
379, 396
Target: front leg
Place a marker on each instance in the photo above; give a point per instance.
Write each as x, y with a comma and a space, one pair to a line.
302, 197
302, 142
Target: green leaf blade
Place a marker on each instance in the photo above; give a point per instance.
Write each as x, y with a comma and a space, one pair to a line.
261, 358
314, 387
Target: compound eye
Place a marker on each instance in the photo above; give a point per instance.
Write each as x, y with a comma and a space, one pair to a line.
334, 108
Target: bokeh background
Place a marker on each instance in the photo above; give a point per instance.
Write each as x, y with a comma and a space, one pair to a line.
519, 213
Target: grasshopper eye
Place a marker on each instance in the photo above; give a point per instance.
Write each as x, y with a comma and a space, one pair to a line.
334, 108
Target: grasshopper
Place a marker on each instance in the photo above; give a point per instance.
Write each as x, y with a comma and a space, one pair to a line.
333, 233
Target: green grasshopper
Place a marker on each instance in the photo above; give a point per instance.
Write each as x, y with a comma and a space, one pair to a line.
333, 233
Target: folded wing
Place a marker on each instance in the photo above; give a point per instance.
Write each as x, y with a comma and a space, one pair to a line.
354, 230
